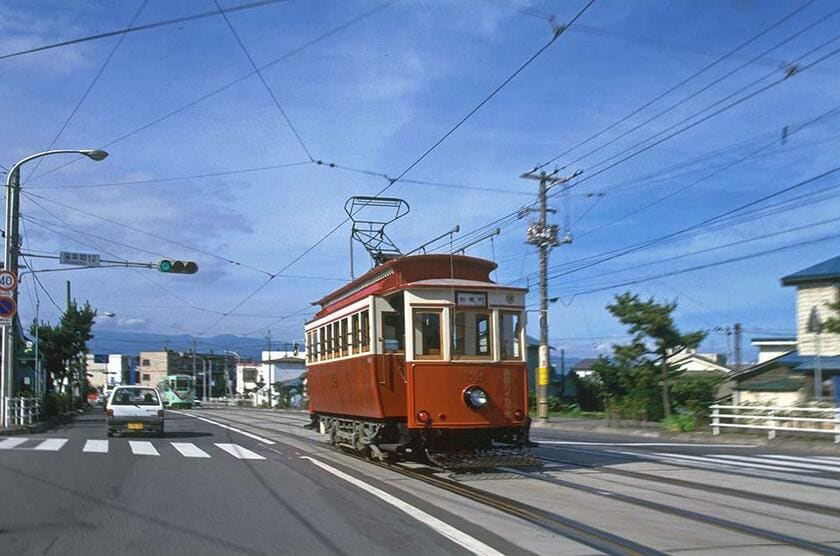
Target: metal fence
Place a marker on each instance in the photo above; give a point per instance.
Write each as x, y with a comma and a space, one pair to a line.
23, 411
774, 419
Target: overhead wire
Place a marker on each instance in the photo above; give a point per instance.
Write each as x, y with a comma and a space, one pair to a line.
263, 81
154, 25
678, 85
289, 54
89, 88
392, 181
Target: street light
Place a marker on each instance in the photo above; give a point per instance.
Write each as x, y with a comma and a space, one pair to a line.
227, 377
10, 262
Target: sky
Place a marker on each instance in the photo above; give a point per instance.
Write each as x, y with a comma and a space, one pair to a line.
247, 174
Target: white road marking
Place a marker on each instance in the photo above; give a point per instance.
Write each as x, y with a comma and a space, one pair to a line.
630, 444
783, 461
827, 458
189, 450
240, 431
96, 446
142, 448
238, 451
51, 444
714, 460
455, 535
9, 443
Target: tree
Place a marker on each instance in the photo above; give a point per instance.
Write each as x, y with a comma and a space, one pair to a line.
61, 345
652, 321
630, 382
833, 323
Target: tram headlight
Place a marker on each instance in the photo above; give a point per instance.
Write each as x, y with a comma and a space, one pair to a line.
475, 397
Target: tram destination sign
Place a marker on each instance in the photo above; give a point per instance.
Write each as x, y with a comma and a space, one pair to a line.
471, 299
78, 259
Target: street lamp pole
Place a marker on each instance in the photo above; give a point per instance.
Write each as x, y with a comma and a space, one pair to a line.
236, 369
11, 250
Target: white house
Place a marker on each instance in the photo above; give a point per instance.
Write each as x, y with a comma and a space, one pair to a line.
274, 367
106, 371
691, 361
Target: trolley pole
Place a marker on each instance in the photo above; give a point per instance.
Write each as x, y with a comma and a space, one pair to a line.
544, 236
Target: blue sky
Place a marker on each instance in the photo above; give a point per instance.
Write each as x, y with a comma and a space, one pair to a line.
376, 94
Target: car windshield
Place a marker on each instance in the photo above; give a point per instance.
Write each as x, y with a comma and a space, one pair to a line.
135, 396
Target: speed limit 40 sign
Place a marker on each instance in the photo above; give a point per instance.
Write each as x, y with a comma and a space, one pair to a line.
8, 280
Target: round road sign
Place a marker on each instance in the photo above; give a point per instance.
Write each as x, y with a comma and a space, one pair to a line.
8, 280
7, 306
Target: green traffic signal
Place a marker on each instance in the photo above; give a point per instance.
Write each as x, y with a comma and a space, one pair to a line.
177, 267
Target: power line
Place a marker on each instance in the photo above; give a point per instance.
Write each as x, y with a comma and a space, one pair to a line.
703, 89
678, 85
89, 88
263, 81
138, 230
228, 85
138, 28
411, 166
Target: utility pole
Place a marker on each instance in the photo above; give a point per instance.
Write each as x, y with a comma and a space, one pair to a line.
10, 262
737, 333
544, 236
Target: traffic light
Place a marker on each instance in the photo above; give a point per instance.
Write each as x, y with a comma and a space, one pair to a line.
177, 267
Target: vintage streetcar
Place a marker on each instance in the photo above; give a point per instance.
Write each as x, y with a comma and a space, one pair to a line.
423, 356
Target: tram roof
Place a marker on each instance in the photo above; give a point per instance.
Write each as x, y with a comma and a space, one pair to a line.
442, 270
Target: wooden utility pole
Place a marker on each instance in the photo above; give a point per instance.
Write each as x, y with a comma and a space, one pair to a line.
544, 236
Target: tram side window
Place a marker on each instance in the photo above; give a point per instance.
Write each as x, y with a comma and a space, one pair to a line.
336, 339
365, 330
471, 335
354, 330
510, 332
393, 332
327, 339
344, 338
427, 334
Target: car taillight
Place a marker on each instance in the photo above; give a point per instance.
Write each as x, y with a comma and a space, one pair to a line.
160, 413
109, 412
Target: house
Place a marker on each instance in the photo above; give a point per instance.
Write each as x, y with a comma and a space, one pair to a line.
690, 361
106, 371
771, 348
275, 367
810, 368
583, 368
557, 386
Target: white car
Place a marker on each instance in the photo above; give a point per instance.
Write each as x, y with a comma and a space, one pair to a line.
134, 409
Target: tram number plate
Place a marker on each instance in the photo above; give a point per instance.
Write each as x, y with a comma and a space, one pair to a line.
135, 426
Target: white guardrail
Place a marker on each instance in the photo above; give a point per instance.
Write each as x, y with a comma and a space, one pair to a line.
23, 411
773, 419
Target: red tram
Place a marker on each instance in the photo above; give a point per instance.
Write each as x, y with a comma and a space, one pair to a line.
423, 355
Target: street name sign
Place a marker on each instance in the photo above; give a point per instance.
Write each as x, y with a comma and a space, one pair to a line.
8, 308
8, 280
78, 259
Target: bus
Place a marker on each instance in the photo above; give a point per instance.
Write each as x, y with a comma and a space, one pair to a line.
177, 391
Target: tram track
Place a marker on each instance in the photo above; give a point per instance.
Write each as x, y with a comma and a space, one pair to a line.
585, 534
571, 529
715, 489
743, 528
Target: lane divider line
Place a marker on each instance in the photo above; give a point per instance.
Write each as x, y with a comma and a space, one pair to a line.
455, 535
228, 427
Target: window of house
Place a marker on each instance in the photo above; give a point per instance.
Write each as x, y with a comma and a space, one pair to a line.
146, 377
344, 339
145, 363
249, 374
471, 335
364, 326
427, 334
510, 334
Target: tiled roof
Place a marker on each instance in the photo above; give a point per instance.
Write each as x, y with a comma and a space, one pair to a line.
826, 270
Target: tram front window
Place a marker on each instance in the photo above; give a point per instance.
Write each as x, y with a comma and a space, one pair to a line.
393, 332
427, 334
471, 335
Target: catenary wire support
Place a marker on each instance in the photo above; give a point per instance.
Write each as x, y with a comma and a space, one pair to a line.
370, 215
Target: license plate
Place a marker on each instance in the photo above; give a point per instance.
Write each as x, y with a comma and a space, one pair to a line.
135, 426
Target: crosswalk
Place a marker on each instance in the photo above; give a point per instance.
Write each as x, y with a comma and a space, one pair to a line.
776, 463
142, 448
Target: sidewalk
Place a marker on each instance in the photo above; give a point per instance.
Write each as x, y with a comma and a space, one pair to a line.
40, 426
655, 430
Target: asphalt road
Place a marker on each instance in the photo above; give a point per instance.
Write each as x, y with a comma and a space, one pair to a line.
201, 489
231, 481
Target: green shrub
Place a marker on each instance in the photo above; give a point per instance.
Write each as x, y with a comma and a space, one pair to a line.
694, 392
680, 423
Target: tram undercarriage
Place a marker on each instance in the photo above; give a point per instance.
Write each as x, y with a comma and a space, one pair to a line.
448, 449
